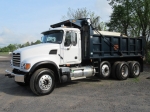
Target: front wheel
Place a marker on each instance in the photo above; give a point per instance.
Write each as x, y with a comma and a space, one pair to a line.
42, 82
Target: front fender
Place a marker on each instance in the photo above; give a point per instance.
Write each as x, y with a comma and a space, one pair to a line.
48, 64
42, 63
43, 58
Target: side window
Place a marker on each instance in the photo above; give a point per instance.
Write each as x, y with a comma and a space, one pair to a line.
71, 38
67, 39
74, 39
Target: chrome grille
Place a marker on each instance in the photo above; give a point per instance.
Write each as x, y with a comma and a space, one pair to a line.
16, 59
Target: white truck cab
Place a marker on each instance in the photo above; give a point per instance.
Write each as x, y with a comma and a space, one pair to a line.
60, 45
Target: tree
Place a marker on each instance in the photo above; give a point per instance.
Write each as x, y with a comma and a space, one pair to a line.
26, 44
32, 43
5, 49
121, 18
12, 47
18, 46
77, 14
132, 17
141, 9
103, 26
37, 42
84, 13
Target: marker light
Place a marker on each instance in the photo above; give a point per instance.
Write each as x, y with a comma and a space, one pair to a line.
27, 66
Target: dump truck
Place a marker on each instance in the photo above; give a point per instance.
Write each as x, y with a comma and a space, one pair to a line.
74, 49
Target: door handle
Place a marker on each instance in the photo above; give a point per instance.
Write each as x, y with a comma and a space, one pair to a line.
66, 48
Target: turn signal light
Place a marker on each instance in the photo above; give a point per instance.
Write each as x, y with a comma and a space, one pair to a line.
27, 66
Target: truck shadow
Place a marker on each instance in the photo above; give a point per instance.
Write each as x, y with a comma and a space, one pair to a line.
16, 90
13, 89
77, 81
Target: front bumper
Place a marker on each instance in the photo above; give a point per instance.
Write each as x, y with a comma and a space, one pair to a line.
17, 77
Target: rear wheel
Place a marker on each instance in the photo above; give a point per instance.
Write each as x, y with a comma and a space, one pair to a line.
105, 69
134, 69
122, 71
42, 82
114, 69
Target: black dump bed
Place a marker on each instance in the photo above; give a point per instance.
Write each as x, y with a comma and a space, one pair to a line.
116, 46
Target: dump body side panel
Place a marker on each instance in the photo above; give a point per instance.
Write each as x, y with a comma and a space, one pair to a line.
113, 46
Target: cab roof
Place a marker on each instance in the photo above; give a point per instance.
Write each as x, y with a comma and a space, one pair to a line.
76, 23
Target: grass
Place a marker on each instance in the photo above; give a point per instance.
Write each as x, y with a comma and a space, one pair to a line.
4, 54
136, 79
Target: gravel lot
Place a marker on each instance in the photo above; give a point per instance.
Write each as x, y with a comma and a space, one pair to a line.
132, 95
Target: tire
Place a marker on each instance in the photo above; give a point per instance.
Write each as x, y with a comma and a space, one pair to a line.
114, 69
42, 82
134, 69
129, 62
105, 69
122, 72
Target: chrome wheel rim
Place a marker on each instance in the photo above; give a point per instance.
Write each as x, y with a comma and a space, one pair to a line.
45, 82
124, 71
105, 70
136, 70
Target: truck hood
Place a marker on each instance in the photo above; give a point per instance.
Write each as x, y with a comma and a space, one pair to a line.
36, 50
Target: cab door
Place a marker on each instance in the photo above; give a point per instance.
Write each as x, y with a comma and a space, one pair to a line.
72, 48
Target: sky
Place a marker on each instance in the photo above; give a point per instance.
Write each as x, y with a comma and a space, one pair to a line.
24, 20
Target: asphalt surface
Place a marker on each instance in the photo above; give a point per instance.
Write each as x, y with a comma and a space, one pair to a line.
84, 95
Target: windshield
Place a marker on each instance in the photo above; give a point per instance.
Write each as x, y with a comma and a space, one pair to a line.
54, 36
